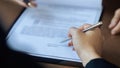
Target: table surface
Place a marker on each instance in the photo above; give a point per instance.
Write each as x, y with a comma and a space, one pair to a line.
111, 48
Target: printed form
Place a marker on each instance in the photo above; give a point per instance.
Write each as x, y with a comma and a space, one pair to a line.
39, 31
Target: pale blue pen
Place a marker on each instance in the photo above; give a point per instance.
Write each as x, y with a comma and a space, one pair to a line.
89, 28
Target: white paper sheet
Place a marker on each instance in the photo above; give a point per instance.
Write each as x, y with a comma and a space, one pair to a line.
38, 31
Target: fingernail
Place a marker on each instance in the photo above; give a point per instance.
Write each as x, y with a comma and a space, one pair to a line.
31, 5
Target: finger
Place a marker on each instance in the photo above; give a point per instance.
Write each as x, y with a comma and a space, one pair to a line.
77, 35
116, 30
20, 2
81, 27
115, 19
26, 3
71, 30
90, 32
78, 31
69, 35
70, 43
32, 4
86, 26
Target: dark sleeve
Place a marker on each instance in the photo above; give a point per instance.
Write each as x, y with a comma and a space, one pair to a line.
13, 59
100, 63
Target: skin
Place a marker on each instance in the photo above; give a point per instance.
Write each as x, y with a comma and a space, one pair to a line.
115, 23
83, 43
21, 2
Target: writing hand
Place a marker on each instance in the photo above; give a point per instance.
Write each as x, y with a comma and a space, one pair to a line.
88, 45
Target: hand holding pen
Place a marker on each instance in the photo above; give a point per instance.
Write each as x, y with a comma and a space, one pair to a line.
87, 29
26, 3
87, 41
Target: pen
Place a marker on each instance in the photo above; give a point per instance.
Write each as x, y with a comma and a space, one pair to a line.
89, 28
29, 3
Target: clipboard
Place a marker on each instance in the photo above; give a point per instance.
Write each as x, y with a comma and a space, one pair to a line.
44, 58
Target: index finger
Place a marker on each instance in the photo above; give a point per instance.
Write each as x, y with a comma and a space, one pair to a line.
115, 19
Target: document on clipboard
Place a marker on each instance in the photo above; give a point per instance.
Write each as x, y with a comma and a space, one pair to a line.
38, 31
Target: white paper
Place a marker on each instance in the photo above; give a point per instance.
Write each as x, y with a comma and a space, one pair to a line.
38, 31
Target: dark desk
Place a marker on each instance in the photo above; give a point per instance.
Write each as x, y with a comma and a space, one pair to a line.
111, 47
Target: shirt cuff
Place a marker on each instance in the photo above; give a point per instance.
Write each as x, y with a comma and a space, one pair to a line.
100, 63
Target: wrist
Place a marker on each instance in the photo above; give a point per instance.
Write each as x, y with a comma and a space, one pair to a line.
87, 56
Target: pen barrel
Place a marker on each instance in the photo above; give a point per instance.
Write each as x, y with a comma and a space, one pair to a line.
93, 26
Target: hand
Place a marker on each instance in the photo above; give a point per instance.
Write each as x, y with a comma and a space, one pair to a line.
22, 3
88, 45
115, 23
